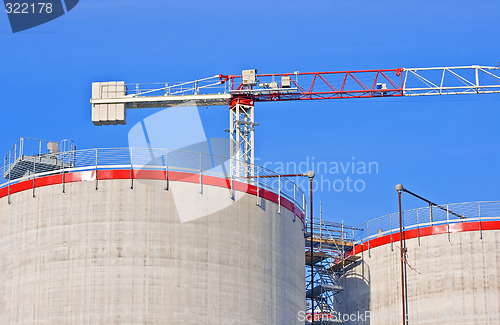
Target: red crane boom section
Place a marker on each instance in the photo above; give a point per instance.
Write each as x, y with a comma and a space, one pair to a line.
319, 85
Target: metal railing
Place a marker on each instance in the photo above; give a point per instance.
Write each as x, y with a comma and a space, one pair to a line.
210, 85
426, 217
27, 156
153, 159
36, 147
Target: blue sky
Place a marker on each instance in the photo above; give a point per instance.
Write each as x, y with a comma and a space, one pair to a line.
444, 148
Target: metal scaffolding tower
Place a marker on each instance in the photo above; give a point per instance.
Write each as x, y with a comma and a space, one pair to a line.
332, 248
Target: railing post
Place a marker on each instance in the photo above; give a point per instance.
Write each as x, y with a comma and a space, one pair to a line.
96, 178
34, 174
430, 214
305, 214
232, 188
279, 193
368, 233
166, 169
480, 225
201, 175
304, 201
10, 160
418, 229
63, 175
258, 189
448, 222
8, 190
353, 245
390, 227
131, 168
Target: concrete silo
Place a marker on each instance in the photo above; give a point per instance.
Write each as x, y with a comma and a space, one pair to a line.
452, 266
109, 241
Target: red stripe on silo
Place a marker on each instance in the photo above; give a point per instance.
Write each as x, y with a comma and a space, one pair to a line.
110, 174
428, 231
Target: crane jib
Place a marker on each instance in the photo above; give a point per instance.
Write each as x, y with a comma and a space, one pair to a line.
240, 92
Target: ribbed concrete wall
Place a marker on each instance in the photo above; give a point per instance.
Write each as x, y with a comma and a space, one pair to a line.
453, 282
122, 256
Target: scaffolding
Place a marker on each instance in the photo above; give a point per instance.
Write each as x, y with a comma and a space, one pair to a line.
332, 245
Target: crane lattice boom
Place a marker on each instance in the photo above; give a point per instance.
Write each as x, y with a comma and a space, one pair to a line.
111, 99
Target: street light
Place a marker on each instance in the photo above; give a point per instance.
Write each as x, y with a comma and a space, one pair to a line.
400, 189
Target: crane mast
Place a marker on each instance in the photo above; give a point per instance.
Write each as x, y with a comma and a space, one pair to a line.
110, 100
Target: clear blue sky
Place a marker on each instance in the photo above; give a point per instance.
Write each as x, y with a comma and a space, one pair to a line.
444, 148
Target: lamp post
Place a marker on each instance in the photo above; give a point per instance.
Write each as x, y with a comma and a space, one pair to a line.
310, 175
400, 189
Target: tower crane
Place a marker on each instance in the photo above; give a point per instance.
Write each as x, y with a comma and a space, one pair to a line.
110, 100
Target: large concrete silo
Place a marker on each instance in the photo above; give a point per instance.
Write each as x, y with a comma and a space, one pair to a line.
451, 268
106, 244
